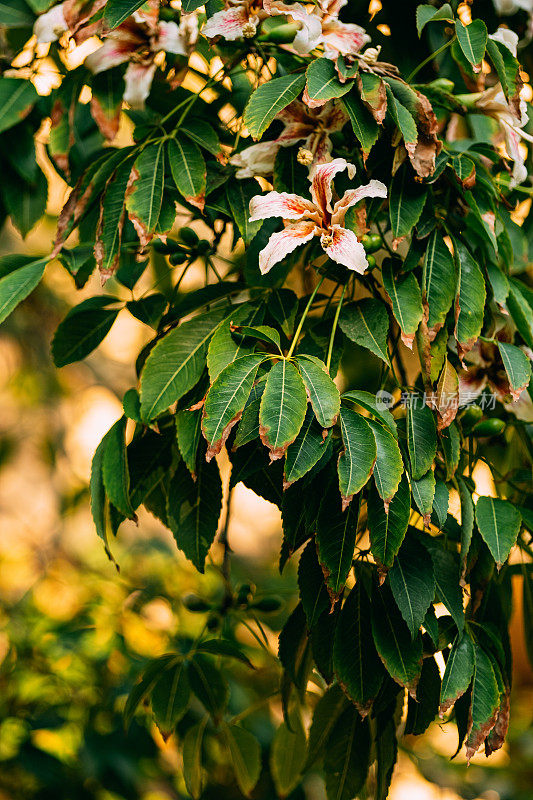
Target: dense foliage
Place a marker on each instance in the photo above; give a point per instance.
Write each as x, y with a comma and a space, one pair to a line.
379, 219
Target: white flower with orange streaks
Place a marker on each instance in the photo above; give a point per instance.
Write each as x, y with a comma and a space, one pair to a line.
309, 218
321, 26
493, 103
138, 41
73, 16
302, 124
238, 20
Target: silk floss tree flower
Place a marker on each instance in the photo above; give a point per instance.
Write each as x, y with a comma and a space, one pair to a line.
300, 124
138, 41
239, 20
304, 219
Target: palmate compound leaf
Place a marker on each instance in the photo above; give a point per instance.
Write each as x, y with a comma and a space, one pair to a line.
347, 756
499, 524
269, 99
176, 363
335, 538
367, 324
458, 672
226, 399
355, 659
356, 462
421, 437
388, 468
412, 582
323, 394
387, 529
283, 408
401, 655
193, 509
485, 702
371, 403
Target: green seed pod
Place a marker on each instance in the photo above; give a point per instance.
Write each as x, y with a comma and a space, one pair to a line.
489, 427
188, 236
371, 261
194, 603
203, 246
178, 258
471, 415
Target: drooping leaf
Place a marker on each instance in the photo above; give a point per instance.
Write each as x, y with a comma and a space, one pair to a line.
387, 529
145, 195
170, 697
472, 40
470, 300
517, 367
367, 324
335, 539
364, 125
176, 363
355, 659
406, 300
25, 203
188, 169
423, 491
347, 756
82, 330
269, 99
374, 405
283, 306
356, 462
441, 502
406, 203
421, 437
306, 450
288, 755
388, 468
283, 408
401, 655
245, 754
446, 570
325, 715
17, 96
324, 395
239, 194
485, 702
208, 683
19, 275
226, 399
115, 469
412, 582
467, 522
458, 672
192, 758
438, 281
313, 592
142, 689
422, 711
499, 523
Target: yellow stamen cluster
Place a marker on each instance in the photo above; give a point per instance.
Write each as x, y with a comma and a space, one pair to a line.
305, 157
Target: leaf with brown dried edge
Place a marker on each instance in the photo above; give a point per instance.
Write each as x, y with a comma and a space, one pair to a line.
485, 703
373, 95
496, 737
336, 531
282, 409
469, 300
446, 399
458, 672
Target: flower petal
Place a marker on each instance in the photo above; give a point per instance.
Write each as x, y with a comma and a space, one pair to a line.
282, 204
258, 159
310, 34
353, 196
347, 250
340, 38
284, 242
321, 177
507, 37
138, 79
177, 39
50, 26
113, 52
227, 24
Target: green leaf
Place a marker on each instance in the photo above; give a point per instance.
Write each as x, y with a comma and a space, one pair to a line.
111, 222
84, 327
499, 524
269, 99
472, 40
148, 309
115, 470
441, 502
363, 123
287, 756
245, 755
467, 522
116, 11
446, 570
421, 437
176, 363
15, 14
438, 280
458, 672
202, 133
507, 68
355, 659
248, 429
208, 684
264, 333
347, 756
188, 433
313, 593
406, 203
527, 599
485, 703
412, 582
367, 324
226, 399
194, 510
170, 697
427, 13
98, 496
224, 347
388, 468
422, 711
451, 446
325, 715
306, 450
356, 462
187, 166
144, 198
517, 367
402, 118
324, 395
370, 403
424, 493
19, 275
283, 408
406, 300
17, 96
335, 539
520, 311
470, 300
25, 203
142, 689
323, 82
401, 655
239, 194
388, 528
225, 648
192, 758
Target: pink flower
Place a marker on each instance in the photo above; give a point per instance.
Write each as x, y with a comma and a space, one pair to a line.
316, 217
493, 102
239, 20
